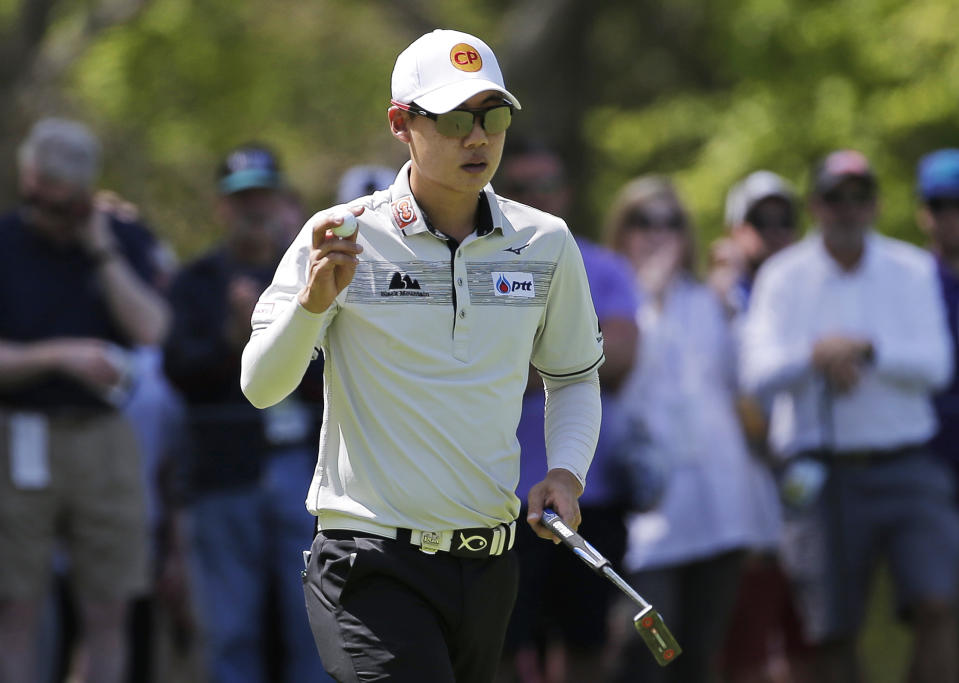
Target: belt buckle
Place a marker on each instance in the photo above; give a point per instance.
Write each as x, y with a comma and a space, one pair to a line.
475, 543
431, 541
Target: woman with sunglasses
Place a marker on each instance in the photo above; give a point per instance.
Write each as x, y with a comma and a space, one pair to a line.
685, 555
428, 316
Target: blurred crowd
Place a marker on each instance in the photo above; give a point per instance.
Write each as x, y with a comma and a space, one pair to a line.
777, 423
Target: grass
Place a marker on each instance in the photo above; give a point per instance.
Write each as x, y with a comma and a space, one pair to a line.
885, 644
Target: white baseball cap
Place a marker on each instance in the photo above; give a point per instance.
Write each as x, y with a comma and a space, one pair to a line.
442, 69
753, 189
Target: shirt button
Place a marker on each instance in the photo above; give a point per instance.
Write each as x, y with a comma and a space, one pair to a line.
459, 254
462, 314
459, 282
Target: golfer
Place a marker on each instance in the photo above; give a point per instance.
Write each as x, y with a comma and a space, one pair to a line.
428, 317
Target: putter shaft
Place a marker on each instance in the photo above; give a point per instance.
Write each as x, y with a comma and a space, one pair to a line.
648, 622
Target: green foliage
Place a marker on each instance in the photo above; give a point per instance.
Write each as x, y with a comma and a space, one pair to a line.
705, 92
793, 80
191, 80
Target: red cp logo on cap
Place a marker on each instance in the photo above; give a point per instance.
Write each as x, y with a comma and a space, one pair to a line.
466, 58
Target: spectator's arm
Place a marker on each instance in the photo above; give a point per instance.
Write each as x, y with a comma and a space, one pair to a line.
918, 352
773, 356
84, 360
24, 363
620, 337
138, 310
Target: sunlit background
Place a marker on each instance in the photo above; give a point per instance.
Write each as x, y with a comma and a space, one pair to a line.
703, 91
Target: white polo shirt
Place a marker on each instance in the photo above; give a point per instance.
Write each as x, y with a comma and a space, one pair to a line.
427, 354
892, 299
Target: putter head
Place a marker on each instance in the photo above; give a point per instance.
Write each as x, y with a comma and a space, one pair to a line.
657, 637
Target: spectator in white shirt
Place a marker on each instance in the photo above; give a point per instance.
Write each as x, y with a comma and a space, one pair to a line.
847, 330
684, 556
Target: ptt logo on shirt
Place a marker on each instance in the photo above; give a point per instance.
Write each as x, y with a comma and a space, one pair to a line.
514, 284
466, 57
403, 212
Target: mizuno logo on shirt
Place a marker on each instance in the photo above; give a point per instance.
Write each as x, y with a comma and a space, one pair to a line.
401, 284
514, 284
517, 250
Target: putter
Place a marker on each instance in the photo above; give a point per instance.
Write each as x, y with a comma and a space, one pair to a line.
650, 625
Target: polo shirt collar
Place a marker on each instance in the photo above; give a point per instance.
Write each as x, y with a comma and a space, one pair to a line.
410, 219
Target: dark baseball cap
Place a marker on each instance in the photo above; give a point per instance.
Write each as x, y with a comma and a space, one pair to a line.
249, 167
842, 165
939, 174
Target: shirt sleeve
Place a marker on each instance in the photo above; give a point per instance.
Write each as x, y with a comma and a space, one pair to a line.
573, 414
286, 337
569, 343
773, 357
918, 351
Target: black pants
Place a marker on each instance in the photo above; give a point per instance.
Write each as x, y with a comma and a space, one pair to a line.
382, 609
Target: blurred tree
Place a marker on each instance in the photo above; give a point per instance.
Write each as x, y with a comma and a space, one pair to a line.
703, 91
777, 83
39, 41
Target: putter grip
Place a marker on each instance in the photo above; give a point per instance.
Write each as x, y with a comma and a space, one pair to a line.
574, 541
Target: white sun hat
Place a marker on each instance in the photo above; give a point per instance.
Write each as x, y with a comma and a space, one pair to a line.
442, 69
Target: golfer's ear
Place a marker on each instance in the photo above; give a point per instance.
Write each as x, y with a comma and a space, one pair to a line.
399, 124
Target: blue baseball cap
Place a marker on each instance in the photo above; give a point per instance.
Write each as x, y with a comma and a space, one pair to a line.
249, 167
939, 174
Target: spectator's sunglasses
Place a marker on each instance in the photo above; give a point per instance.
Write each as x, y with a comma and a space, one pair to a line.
856, 198
779, 221
69, 209
638, 219
459, 122
942, 204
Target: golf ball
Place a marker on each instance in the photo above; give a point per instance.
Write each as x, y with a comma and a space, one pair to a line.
348, 227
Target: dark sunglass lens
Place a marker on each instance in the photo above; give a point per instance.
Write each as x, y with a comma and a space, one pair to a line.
847, 198
784, 222
644, 221
454, 124
675, 222
497, 119
56, 209
942, 204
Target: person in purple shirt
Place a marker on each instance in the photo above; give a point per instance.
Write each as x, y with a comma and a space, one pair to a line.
574, 628
938, 216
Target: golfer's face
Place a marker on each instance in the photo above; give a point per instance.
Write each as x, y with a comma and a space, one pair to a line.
457, 164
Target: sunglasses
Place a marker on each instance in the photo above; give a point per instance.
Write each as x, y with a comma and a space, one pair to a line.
943, 204
641, 220
71, 209
764, 223
458, 123
835, 198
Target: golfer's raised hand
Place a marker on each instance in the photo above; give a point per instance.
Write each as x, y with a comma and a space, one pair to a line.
332, 262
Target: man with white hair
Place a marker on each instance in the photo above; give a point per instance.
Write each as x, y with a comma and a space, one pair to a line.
76, 291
